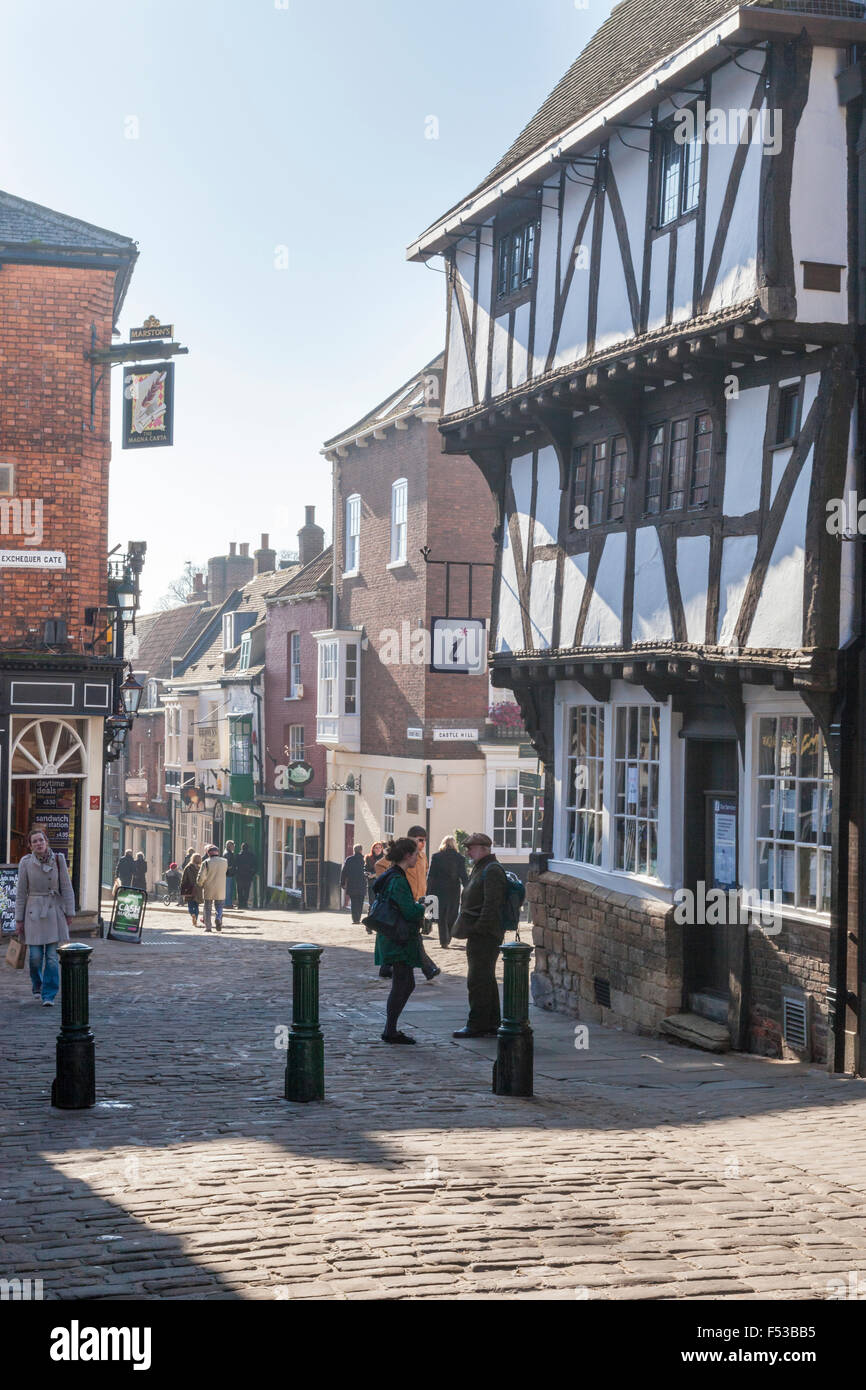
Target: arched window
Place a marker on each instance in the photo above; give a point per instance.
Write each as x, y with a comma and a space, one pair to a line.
389, 817
399, 510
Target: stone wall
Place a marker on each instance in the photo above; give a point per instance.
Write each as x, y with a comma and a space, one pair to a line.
582, 932
796, 962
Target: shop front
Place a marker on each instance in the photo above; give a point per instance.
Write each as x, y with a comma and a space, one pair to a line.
293, 858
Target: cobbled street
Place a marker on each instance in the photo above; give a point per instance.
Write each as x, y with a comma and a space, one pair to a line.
639, 1170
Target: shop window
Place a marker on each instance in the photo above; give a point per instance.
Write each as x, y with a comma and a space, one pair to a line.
795, 808
585, 784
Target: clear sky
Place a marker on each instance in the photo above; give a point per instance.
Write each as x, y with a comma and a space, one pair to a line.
218, 132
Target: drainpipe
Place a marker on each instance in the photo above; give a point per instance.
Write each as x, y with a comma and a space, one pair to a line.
428, 793
259, 785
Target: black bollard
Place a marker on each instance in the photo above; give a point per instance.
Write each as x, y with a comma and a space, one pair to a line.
74, 1086
305, 1066
512, 1070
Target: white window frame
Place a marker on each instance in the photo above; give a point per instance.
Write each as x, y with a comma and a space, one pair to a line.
353, 536
523, 846
399, 522
759, 704
389, 808
329, 678
294, 755
669, 853
281, 874
246, 652
294, 664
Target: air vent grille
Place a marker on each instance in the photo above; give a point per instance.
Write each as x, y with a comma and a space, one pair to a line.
794, 1023
602, 992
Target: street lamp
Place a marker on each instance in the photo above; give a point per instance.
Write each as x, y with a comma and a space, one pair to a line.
130, 693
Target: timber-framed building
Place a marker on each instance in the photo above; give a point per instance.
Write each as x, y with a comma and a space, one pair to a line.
654, 358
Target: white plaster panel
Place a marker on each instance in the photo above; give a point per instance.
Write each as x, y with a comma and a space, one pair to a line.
521, 482
571, 345
810, 393
499, 374
613, 324
574, 573
693, 572
819, 194
738, 556
737, 278
631, 167
520, 346
548, 498
732, 90
545, 290
509, 632
781, 459
482, 331
778, 618
541, 600
660, 255
652, 615
684, 275
458, 383
604, 618
746, 425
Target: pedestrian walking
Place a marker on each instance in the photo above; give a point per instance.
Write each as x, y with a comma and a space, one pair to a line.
353, 881
402, 957
139, 872
371, 872
189, 889
44, 902
480, 924
245, 872
125, 869
417, 877
211, 879
187, 857
231, 859
445, 877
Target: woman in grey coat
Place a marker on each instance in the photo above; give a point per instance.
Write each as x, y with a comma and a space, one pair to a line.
43, 905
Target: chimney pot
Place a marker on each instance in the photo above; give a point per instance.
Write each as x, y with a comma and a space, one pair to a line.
245, 549
265, 538
232, 547
311, 516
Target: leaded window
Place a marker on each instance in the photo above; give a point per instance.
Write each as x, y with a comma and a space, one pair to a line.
795, 808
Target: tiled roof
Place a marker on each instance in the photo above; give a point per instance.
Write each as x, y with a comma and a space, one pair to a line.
637, 35
410, 396
209, 664
313, 575
25, 223
164, 635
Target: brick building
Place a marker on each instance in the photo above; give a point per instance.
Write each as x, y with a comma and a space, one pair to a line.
294, 807
62, 285
403, 709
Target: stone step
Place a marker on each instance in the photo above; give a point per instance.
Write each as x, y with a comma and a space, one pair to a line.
698, 1032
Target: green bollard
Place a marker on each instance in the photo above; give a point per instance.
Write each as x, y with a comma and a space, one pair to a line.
305, 1066
74, 1086
512, 1070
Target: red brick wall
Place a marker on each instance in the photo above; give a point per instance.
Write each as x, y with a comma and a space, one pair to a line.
307, 617
45, 319
449, 509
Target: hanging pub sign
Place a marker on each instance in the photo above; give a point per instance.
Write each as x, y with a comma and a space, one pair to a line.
127, 914
151, 331
459, 646
148, 405
192, 798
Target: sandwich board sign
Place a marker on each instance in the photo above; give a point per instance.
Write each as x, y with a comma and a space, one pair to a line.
8, 894
127, 914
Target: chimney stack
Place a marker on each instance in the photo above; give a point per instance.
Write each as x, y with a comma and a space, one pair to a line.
198, 589
265, 557
226, 573
311, 538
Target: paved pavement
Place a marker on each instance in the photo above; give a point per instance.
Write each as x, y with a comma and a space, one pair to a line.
640, 1169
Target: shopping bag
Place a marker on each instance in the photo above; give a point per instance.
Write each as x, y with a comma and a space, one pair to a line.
16, 953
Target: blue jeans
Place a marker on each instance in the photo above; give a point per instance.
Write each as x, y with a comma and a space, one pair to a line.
45, 970
230, 890
218, 904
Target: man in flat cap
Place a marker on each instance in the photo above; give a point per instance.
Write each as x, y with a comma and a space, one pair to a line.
480, 924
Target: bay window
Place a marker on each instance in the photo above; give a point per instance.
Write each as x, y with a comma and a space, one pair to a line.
516, 810
794, 811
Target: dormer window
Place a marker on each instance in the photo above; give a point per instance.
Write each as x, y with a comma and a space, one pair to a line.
680, 171
152, 695
244, 658
516, 259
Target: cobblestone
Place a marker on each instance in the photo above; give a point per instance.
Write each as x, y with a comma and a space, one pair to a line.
638, 1170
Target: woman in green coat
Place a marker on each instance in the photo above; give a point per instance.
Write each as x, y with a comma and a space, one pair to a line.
393, 885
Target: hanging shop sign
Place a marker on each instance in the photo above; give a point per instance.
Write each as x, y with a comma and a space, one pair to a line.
151, 331
8, 893
459, 646
148, 405
192, 798
127, 914
32, 560
292, 776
